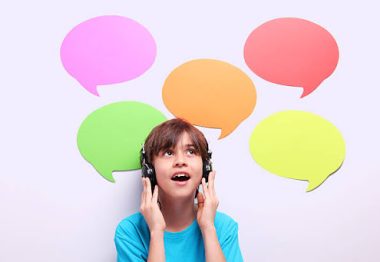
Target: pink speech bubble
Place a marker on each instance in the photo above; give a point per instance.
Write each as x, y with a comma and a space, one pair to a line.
292, 52
107, 50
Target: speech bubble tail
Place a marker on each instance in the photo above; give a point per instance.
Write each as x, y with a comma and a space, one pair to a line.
313, 184
94, 92
107, 174
90, 87
306, 91
225, 132
310, 87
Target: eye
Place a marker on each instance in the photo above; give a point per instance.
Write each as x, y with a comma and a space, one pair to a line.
168, 153
191, 151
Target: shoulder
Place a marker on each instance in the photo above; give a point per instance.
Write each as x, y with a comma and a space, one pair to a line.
224, 224
223, 219
132, 238
132, 226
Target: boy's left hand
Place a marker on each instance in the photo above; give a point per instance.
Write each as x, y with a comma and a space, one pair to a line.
207, 203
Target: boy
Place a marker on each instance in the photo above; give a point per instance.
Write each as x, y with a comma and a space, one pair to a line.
169, 227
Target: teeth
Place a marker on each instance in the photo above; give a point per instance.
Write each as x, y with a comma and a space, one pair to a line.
180, 175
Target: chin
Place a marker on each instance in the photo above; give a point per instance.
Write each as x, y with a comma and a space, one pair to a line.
182, 193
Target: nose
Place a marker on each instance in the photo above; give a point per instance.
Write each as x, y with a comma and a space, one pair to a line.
180, 160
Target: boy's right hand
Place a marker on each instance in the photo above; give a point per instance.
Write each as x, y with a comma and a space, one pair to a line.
150, 209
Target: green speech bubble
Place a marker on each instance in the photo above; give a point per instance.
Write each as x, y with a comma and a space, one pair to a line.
111, 137
298, 145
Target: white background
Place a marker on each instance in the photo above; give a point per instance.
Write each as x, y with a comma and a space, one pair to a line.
55, 207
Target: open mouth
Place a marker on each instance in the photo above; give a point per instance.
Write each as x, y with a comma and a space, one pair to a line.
180, 177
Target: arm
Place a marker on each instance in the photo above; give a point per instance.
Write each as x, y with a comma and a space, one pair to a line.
213, 251
207, 205
155, 220
156, 247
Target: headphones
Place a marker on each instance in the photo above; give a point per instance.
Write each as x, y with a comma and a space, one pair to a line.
149, 172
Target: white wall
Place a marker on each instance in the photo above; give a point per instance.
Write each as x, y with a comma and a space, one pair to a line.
55, 207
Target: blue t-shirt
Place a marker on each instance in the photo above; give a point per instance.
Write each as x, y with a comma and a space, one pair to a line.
132, 240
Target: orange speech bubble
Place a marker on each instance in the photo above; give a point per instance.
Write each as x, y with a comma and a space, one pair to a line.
292, 52
210, 93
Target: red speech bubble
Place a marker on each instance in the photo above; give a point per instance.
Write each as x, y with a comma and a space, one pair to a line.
292, 52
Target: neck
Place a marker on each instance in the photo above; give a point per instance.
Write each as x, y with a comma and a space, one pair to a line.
178, 213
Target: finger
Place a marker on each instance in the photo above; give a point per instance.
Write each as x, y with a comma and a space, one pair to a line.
155, 194
211, 183
205, 189
200, 198
148, 190
142, 200
143, 193
201, 201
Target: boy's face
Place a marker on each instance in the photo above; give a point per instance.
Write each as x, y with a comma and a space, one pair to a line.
179, 169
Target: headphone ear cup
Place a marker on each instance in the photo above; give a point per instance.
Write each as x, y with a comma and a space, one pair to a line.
148, 171
207, 168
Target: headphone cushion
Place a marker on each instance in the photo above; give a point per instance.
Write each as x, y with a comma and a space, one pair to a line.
207, 168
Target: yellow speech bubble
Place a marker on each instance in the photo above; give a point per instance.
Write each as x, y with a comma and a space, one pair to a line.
210, 93
298, 145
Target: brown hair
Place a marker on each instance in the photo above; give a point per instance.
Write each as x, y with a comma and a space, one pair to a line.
166, 135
